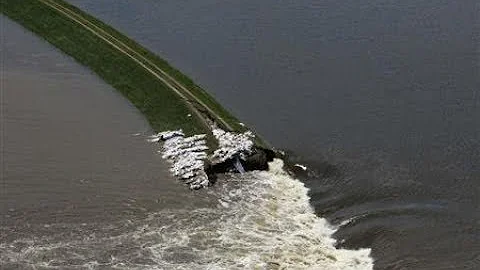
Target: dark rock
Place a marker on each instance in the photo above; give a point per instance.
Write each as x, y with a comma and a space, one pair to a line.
223, 167
256, 161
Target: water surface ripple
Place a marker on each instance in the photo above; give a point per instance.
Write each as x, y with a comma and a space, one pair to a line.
81, 188
380, 97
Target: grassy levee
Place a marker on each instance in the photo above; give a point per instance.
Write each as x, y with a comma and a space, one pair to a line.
164, 109
161, 106
193, 88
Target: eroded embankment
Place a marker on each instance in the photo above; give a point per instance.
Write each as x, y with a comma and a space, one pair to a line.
168, 99
191, 162
263, 222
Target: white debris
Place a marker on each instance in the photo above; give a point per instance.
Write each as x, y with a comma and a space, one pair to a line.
231, 145
188, 155
166, 135
303, 167
154, 139
170, 134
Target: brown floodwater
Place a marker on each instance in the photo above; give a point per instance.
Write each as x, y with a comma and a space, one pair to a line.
72, 147
381, 98
81, 188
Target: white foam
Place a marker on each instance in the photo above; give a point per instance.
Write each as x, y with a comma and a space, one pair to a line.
271, 224
263, 220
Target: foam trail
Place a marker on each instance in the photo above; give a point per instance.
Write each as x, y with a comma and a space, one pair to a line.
263, 220
271, 225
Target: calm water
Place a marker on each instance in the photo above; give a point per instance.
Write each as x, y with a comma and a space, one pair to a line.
380, 98
69, 140
81, 188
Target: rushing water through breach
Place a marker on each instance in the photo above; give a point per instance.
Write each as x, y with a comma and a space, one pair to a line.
82, 188
379, 97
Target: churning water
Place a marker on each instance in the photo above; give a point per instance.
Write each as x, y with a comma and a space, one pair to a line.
380, 98
83, 189
262, 220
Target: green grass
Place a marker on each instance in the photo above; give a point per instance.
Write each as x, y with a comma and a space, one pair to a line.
163, 108
196, 90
